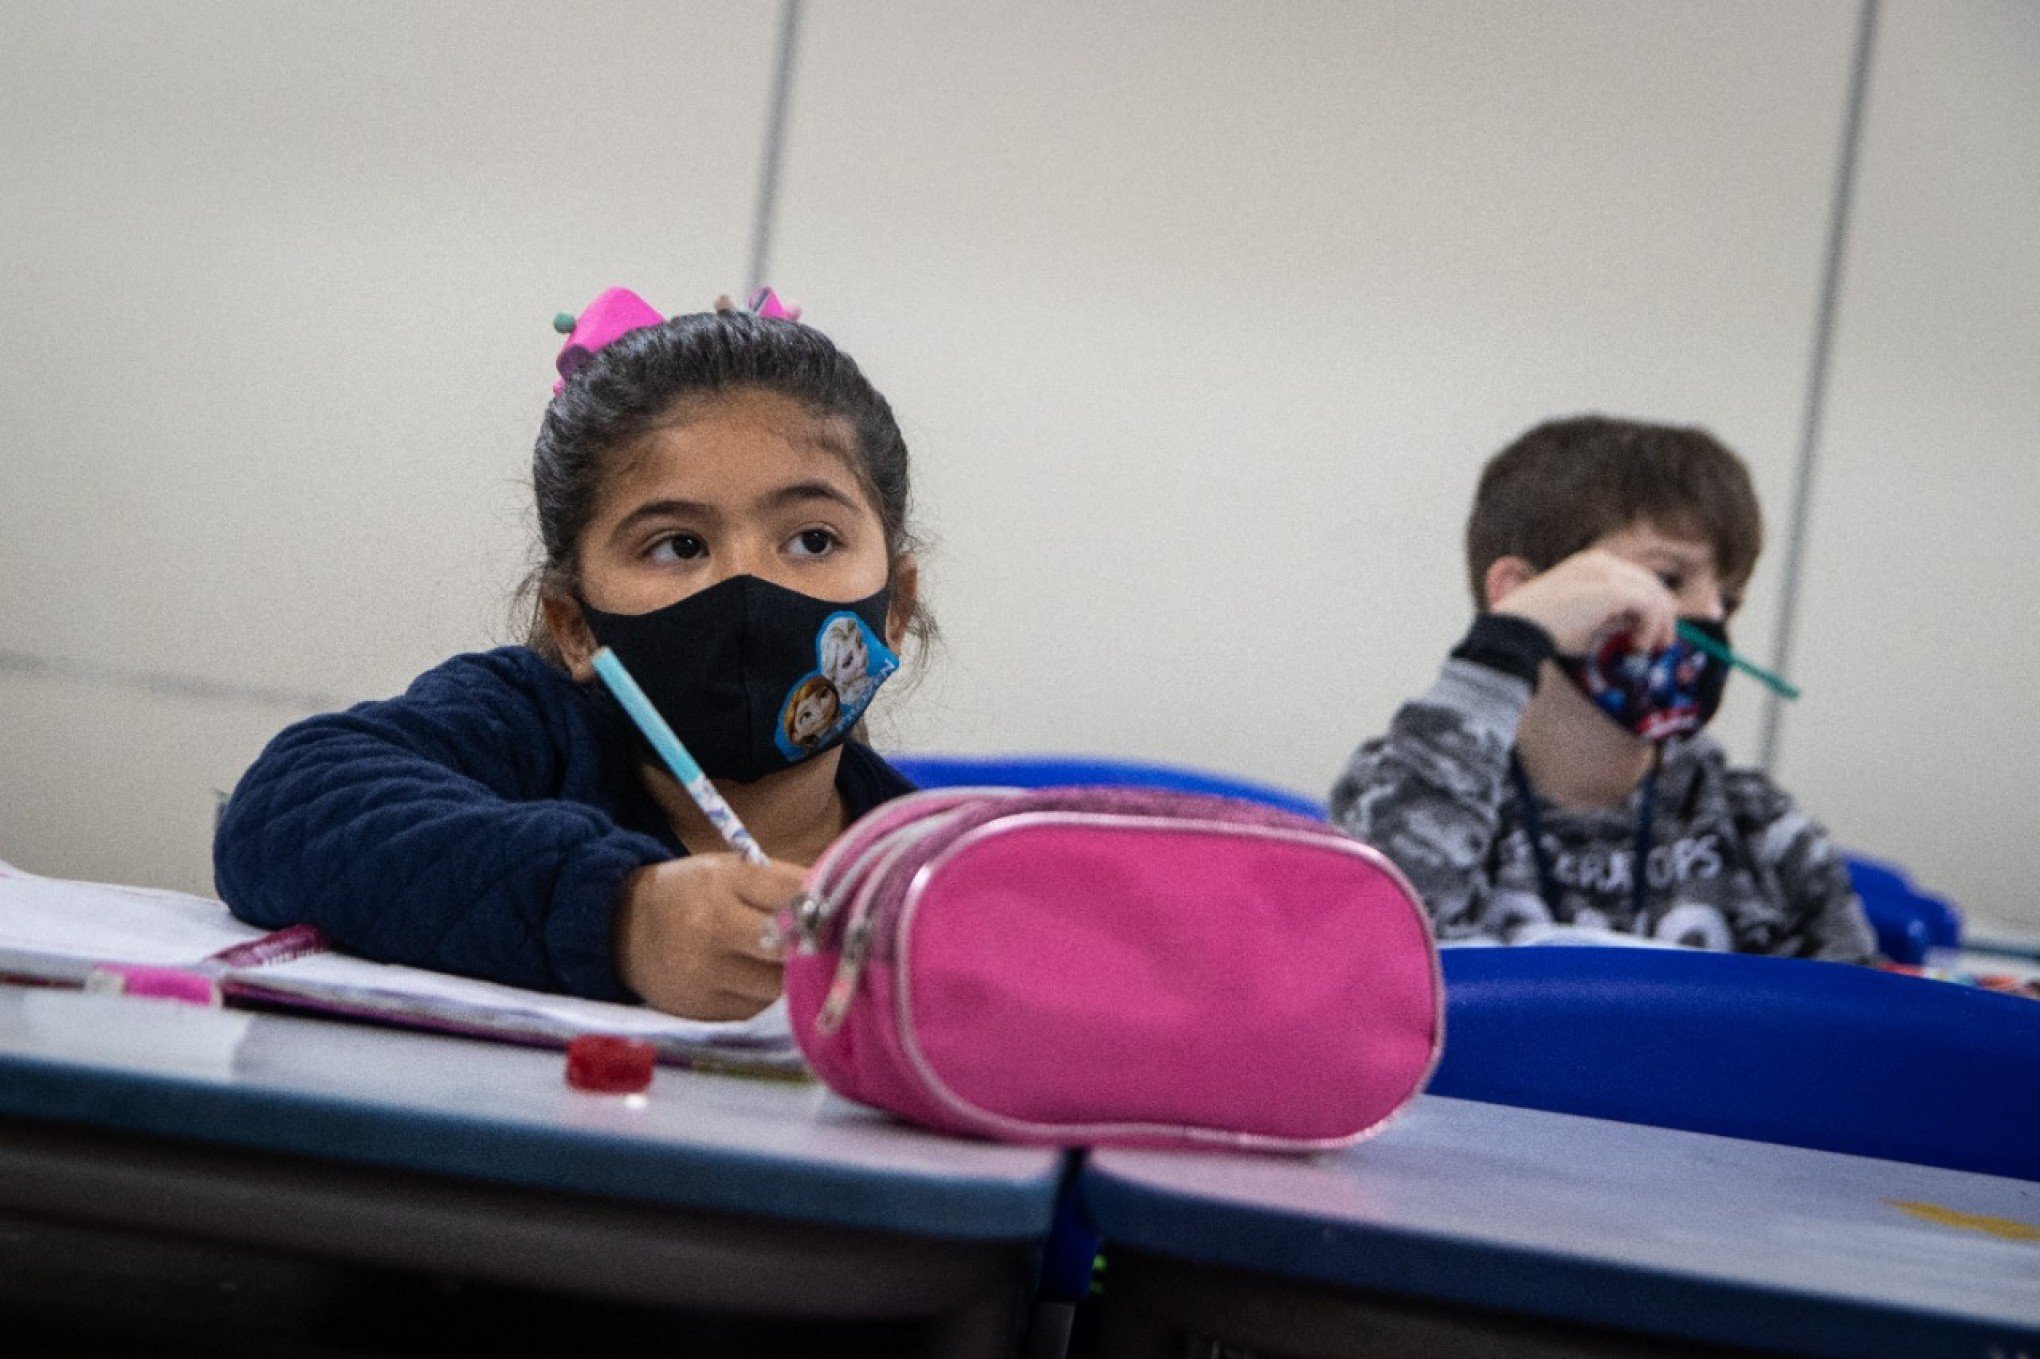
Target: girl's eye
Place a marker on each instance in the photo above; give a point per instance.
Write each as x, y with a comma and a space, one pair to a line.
1673, 581
814, 542
678, 547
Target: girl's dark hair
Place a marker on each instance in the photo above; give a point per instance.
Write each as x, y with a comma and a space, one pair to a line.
1567, 483
631, 386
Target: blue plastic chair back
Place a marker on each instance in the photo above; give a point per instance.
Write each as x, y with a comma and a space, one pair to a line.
1055, 771
1778, 1050
1908, 921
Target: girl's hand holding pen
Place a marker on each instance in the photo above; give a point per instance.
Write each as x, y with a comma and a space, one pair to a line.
692, 936
697, 937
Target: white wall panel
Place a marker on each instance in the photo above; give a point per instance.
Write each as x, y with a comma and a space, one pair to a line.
279, 288
278, 282
1920, 635
118, 785
1202, 318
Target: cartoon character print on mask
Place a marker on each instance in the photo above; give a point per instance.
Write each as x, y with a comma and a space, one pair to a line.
846, 660
811, 713
1656, 694
850, 663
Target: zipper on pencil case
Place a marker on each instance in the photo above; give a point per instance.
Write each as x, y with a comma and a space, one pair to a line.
844, 864
862, 922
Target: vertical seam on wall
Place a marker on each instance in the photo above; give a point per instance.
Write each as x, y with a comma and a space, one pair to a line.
1817, 374
775, 146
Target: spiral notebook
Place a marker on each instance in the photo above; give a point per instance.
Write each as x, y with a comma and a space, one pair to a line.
56, 932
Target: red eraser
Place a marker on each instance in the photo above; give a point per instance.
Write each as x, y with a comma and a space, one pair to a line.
610, 1066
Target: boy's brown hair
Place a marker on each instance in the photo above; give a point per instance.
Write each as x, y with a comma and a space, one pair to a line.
1567, 483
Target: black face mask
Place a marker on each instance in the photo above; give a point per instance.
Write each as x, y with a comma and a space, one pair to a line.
1657, 694
752, 677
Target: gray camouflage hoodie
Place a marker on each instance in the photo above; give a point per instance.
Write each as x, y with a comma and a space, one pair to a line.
1733, 863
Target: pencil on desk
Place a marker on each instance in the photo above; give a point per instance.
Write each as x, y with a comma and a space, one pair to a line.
684, 767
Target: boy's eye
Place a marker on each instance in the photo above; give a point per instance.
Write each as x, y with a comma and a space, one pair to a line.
1673, 580
678, 547
813, 542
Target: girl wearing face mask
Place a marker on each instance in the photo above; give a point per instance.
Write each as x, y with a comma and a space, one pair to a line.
713, 492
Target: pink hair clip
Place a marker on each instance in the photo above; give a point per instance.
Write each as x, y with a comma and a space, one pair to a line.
766, 303
617, 311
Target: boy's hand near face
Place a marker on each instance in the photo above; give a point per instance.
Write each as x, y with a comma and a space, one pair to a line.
690, 934
1585, 595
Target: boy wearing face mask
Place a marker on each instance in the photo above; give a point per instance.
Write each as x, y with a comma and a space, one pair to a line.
1555, 779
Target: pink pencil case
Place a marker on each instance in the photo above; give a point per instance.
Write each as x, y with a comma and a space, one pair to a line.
1114, 966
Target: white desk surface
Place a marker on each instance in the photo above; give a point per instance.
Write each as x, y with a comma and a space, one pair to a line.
420, 1102
1611, 1224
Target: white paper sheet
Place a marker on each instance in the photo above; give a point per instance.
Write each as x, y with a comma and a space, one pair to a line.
95, 922
55, 929
335, 977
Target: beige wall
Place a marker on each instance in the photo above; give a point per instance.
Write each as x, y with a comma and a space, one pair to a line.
1200, 319
1921, 644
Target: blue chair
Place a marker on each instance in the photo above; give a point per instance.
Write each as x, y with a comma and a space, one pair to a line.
1778, 1050
1908, 921
1053, 771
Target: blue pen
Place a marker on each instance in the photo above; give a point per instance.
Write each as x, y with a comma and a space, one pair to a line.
676, 757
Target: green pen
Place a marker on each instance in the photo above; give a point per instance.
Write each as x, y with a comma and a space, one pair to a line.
1715, 649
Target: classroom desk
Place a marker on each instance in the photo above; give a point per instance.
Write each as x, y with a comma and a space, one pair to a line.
1481, 1229
440, 1154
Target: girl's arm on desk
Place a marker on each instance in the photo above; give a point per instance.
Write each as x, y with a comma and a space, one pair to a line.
442, 829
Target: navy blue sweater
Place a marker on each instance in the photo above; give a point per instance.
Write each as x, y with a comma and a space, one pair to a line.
481, 824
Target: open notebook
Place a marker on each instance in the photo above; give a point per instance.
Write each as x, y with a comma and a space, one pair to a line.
54, 932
